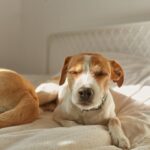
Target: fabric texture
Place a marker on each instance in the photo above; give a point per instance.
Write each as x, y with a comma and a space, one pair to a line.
132, 105
129, 45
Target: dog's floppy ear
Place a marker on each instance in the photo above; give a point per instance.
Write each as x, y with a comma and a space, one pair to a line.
64, 70
117, 74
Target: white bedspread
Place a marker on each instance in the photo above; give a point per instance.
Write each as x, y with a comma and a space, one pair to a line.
133, 110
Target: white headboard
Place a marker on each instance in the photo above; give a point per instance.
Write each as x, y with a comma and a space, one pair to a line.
133, 39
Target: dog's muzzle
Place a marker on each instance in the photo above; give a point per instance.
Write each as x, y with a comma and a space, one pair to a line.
85, 95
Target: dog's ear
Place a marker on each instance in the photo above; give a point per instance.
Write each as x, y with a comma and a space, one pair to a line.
64, 70
117, 73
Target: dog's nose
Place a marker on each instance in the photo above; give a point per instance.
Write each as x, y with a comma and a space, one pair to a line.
86, 94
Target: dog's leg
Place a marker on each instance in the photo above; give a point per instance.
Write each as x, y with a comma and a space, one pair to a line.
48, 101
26, 111
118, 137
47, 94
45, 98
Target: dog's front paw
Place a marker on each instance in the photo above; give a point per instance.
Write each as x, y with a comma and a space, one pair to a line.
122, 142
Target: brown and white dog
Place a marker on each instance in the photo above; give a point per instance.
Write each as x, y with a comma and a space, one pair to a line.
85, 97
18, 101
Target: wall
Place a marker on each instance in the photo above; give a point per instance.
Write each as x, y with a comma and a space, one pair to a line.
10, 33
44, 17
27, 24
34, 41
65, 15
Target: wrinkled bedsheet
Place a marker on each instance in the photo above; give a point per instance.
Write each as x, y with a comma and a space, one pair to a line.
132, 106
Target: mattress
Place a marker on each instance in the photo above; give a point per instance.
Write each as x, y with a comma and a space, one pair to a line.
133, 109
46, 134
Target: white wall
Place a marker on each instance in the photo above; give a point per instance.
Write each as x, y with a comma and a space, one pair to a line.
43, 17
33, 37
65, 15
30, 22
10, 33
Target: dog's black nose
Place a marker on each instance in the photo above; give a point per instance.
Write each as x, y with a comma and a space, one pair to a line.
86, 94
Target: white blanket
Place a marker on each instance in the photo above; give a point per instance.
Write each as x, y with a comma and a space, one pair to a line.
133, 111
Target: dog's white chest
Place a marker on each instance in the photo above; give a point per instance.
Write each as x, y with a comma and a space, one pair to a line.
67, 110
100, 116
93, 117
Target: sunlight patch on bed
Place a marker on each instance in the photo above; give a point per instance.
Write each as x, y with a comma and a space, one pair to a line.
137, 92
64, 143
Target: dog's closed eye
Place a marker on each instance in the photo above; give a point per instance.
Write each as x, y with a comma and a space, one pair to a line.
100, 73
73, 72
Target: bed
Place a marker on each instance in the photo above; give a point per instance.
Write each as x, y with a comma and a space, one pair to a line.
130, 45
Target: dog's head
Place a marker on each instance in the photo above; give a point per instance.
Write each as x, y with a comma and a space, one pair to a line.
88, 76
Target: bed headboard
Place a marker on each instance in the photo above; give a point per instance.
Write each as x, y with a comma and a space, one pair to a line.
129, 38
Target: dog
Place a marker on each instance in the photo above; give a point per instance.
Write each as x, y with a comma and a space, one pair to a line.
84, 94
19, 103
